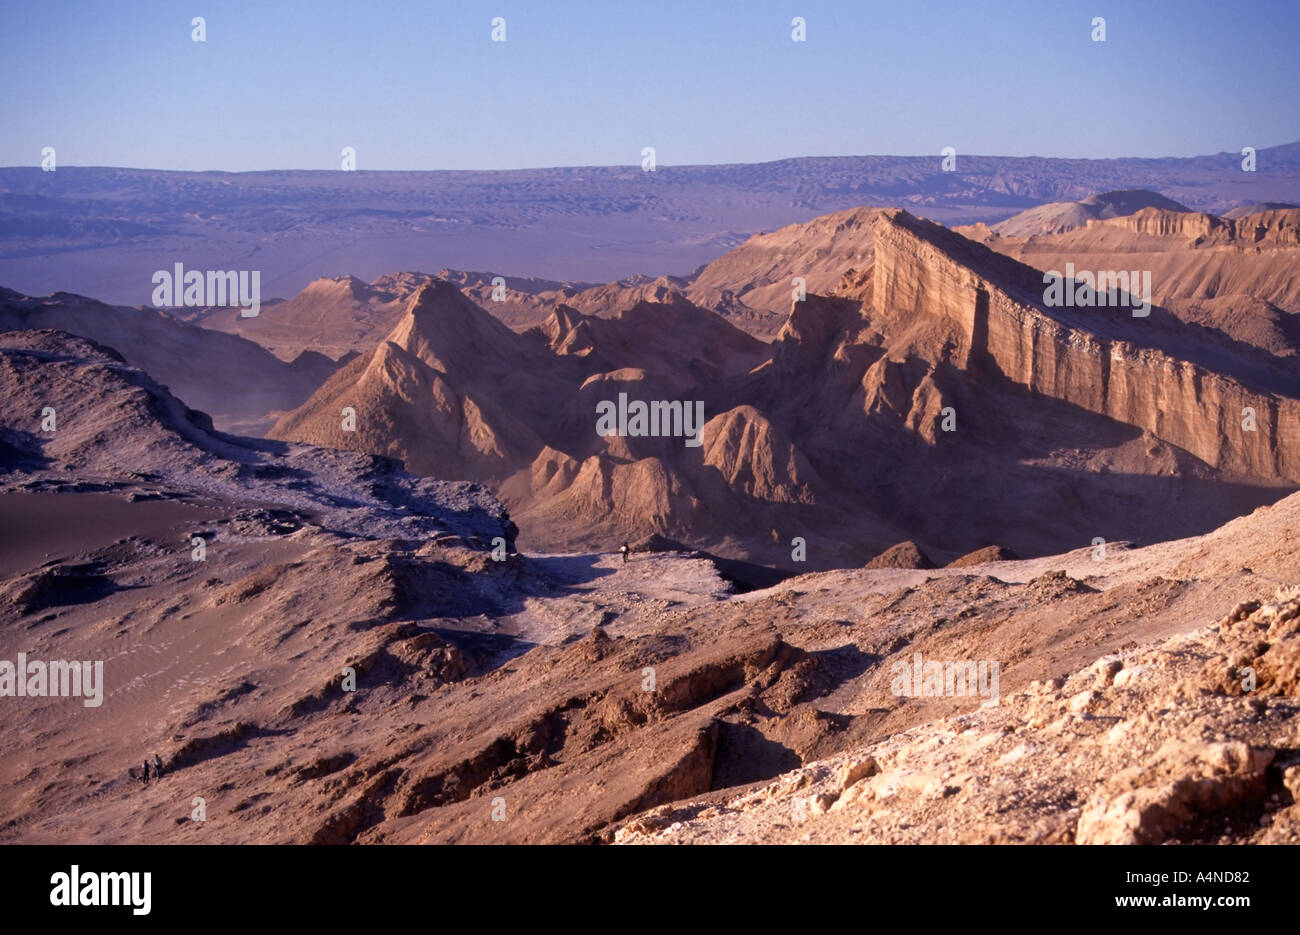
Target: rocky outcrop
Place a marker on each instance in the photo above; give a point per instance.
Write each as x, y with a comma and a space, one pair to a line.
1091, 358
754, 457
1280, 227
753, 284
1148, 803
933, 366
903, 555
1148, 746
1238, 275
990, 553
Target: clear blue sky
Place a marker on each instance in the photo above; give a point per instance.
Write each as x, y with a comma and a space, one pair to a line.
419, 85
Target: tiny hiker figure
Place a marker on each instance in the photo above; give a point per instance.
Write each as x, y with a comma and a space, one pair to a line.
624, 550
157, 767
145, 775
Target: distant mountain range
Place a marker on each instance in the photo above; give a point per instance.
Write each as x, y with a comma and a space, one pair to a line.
104, 231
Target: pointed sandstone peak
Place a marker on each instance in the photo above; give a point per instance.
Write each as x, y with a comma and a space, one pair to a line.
756, 458
452, 333
337, 289
566, 331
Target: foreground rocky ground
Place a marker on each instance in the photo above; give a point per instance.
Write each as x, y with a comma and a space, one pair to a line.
1192, 741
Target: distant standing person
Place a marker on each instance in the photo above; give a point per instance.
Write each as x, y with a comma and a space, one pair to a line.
623, 549
157, 767
145, 775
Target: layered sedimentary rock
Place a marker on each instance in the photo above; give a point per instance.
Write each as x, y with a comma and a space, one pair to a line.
1236, 275
1091, 358
1279, 227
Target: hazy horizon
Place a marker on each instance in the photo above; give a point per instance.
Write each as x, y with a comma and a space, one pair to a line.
412, 88
664, 165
